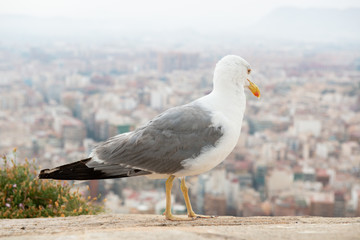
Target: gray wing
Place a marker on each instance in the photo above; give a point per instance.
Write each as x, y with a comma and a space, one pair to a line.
159, 147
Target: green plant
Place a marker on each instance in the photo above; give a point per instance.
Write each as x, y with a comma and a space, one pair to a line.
22, 195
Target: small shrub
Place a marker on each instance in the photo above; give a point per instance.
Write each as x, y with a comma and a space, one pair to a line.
22, 195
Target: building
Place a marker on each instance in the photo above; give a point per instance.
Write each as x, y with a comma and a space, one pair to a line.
340, 204
278, 180
167, 62
215, 205
322, 204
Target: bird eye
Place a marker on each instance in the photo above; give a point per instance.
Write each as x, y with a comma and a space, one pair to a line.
249, 71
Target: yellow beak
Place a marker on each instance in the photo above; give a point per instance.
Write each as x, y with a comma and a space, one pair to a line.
254, 89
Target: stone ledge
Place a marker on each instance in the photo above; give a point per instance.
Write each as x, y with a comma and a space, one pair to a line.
111, 226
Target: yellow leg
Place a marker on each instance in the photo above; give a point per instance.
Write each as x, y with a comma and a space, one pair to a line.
168, 214
185, 192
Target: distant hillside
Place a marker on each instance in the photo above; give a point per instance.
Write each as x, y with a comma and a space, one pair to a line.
311, 24
27, 28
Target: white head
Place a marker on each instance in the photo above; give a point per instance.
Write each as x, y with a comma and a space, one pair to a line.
233, 73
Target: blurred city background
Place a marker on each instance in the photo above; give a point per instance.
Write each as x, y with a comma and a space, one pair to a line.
73, 74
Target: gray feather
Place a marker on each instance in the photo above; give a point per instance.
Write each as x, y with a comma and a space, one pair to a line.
177, 134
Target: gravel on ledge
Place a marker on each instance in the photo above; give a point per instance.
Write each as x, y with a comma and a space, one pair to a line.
131, 226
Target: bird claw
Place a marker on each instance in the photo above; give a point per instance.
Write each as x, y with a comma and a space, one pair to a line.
196, 216
177, 218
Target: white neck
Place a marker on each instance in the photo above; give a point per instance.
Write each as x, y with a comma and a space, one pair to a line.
229, 90
230, 103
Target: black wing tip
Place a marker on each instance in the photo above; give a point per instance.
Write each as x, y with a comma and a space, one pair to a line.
43, 174
47, 173
80, 171
68, 171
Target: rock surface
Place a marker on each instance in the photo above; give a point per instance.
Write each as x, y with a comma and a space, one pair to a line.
110, 226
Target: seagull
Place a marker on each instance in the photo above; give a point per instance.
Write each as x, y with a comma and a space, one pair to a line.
183, 141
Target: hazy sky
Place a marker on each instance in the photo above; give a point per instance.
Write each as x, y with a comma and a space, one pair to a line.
248, 11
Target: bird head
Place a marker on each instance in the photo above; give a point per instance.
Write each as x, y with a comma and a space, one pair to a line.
234, 72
